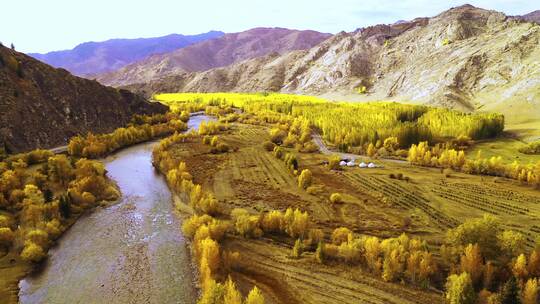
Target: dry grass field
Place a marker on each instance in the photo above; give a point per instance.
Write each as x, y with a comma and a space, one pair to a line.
425, 205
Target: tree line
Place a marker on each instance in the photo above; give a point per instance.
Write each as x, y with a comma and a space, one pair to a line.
348, 125
100, 145
447, 157
36, 206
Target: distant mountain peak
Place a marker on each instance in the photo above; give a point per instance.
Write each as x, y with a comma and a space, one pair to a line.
90, 58
222, 51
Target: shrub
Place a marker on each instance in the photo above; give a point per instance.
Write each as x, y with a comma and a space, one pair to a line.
333, 162
53, 228
319, 253
190, 226
269, 146
32, 252
310, 147
291, 162
223, 147
38, 237
340, 235
315, 236
4, 221
336, 198
297, 249
6, 236
305, 179
297, 223
531, 148
214, 141
277, 135
231, 260
273, 221
279, 153
247, 225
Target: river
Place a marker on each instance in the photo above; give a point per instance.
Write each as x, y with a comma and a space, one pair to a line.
130, 252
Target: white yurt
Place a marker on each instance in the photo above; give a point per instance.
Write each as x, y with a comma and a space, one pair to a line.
342, 163
362, 165
351, 163
372, 165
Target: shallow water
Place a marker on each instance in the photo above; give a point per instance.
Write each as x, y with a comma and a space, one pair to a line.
130, 252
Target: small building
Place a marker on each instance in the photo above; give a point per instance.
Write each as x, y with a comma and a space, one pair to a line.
362, 165
342, 163
372, 165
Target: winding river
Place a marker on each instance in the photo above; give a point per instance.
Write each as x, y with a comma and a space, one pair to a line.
130, 252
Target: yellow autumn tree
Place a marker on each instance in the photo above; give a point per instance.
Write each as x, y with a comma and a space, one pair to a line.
305, 179
231, 294
472, 263
530, 292
519, 269
255, 297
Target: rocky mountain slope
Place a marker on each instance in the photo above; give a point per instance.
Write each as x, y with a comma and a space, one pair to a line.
223, 51
465, 58
531, 17
92, 58
42, 107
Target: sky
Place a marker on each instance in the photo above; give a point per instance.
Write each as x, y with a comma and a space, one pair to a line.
48, 25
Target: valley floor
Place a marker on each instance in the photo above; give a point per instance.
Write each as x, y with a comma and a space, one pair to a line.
426, 206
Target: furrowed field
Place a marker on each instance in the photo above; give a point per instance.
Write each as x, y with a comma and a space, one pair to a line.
282, 214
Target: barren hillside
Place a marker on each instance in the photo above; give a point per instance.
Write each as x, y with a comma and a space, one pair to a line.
42, 107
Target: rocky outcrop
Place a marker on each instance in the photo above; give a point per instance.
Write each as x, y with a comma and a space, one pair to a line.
42, 107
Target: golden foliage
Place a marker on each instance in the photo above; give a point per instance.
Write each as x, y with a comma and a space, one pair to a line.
32, 252
255, 297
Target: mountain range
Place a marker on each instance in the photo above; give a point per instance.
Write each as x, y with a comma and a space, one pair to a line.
531, 17
92, 58
225, 50
465, 58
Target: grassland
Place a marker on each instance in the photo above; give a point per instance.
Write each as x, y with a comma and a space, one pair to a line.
516, 136
425, 206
